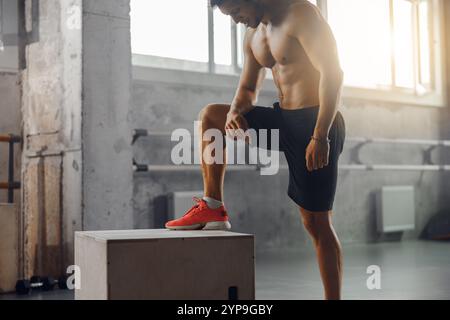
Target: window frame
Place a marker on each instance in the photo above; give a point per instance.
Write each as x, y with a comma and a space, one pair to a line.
9, 28
437, 97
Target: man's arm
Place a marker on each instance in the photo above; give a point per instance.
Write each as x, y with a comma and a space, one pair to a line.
251, 80
316, 38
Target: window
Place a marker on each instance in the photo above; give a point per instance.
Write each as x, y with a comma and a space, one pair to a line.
363, 50
382, 51
159, 30
389, 49
9, 53
184, 35
222, 38
395, 47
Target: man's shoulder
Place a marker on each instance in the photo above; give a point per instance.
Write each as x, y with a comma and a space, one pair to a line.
300, 15
302, 8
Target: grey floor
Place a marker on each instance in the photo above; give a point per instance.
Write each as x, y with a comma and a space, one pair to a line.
409, 270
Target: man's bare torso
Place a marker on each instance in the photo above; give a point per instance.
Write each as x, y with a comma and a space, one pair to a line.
294, 75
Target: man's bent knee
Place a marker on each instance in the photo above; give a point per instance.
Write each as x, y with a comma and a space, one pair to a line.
214, 116
213, 111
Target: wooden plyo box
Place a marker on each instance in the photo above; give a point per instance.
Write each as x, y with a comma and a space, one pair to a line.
165, 265
9, 247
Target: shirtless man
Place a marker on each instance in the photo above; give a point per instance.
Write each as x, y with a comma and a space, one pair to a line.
292, 38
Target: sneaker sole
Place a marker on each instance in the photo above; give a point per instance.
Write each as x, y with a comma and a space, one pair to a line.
219, 225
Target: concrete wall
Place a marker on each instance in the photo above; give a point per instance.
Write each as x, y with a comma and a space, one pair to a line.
77, 164
51, 108
9, 123
107, 157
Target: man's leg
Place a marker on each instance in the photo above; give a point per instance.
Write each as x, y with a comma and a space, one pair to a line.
328, 248
208, 213
213, 116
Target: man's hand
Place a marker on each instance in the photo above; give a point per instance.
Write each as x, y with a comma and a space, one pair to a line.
236, 125
317, 155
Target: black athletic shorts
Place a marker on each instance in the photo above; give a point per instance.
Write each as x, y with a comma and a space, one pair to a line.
314, 191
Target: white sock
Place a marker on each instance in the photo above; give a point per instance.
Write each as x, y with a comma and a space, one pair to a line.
213, 203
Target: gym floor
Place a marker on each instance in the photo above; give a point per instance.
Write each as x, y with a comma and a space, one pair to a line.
409, 270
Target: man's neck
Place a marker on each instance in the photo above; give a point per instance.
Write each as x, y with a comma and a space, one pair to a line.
272, 9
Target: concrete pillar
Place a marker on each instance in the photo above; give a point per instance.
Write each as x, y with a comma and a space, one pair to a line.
51, 108
107, 154
77, 157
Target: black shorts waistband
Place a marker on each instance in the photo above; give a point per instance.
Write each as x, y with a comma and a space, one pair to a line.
277, 106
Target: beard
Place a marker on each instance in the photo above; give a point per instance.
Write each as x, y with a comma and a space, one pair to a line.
254, 24
259, 14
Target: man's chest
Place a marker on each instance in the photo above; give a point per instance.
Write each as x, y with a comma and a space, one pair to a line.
272, 46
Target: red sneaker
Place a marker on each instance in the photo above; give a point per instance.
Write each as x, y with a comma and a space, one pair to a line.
201, 217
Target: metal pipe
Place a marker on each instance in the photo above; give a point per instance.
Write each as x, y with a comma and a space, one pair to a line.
347, 167
137, 133
188, 168
11, 172
445, 143
7, 185
10, 138
387, 167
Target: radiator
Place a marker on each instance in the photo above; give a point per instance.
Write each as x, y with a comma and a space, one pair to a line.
178, 203
395, 209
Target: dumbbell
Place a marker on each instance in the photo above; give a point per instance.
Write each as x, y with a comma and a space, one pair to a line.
24, 287
49, 283
62, 282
